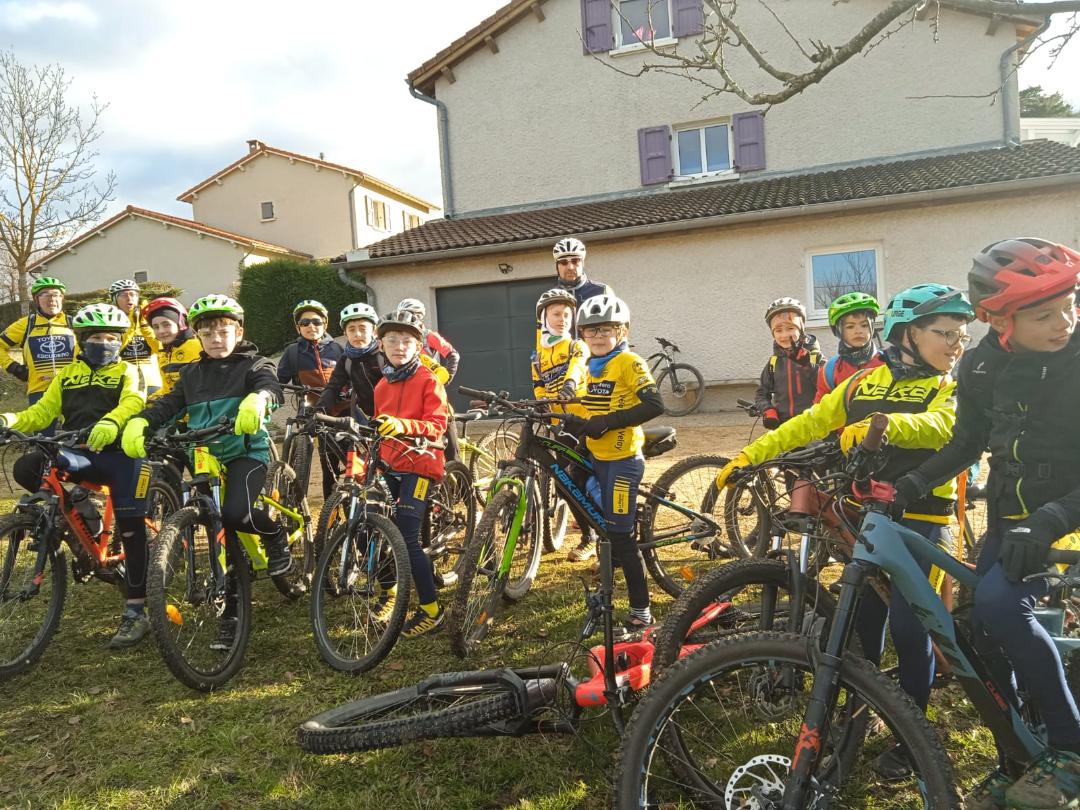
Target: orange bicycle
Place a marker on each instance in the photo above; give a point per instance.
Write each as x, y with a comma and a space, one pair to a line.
33, 561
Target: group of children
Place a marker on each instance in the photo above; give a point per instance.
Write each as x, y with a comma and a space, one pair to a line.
1013, 395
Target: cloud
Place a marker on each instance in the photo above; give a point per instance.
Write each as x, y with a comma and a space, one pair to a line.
18, 16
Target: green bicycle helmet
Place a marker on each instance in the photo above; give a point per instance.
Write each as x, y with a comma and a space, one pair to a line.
909, 305
309, 305
215, 306
99, 318
851, 302
47, 283
359, 312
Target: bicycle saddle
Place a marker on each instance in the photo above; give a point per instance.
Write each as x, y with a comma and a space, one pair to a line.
658, 440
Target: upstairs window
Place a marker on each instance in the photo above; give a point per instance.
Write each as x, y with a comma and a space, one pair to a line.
703, 150
267, 210
638, 21
410, 220
378, 214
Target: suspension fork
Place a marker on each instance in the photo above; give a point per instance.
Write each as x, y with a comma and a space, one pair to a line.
826, 689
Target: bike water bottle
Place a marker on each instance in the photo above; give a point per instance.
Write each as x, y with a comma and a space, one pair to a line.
592, 486
82, 503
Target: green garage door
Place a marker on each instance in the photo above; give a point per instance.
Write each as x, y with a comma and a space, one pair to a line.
494, 328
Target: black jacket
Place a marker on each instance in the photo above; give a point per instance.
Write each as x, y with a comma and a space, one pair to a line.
355, 375
1023, 408
789, 379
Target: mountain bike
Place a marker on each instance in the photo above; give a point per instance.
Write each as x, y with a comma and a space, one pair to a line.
790, 713
33, 562
360, 593
681, 386
199, 581
501, 561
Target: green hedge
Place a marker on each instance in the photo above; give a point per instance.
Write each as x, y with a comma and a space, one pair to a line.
269, 291
148, 290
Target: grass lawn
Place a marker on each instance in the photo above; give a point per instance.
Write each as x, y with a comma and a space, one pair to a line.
90, 728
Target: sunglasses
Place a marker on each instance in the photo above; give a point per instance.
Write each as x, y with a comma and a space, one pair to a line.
311, 322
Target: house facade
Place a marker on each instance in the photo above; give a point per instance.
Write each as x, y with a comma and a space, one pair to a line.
699, 214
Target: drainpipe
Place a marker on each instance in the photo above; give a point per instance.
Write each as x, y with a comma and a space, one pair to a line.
352, 216
1005, 68
347, 279
444, 149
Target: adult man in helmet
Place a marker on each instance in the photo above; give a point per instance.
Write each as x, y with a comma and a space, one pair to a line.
569, 254
40, 344
140, 344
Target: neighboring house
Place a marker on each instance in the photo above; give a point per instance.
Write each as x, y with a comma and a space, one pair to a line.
149, 246
1063, 130
700, 214
321, 208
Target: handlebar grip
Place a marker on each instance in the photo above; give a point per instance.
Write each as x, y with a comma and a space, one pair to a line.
1063, 555
744, 403
879, 422
486, 396
346, 422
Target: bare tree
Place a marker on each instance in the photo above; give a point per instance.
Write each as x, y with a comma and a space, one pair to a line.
763, 81
47, 152
857, 274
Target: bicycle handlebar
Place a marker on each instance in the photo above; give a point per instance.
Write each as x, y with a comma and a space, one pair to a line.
63, 438
875, 436
750, 408
527, 408
174, 437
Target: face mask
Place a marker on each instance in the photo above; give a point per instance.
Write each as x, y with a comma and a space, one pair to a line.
100, 354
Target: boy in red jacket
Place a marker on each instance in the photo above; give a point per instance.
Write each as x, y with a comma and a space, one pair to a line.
409, 401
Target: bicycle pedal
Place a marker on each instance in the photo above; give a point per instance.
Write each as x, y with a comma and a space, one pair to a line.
445, 580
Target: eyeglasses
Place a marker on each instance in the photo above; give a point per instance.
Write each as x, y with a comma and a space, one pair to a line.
570, 260
598, 331
398, 340
311, 322
221, 332
953, 336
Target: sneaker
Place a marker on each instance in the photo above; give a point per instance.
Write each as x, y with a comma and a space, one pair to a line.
444, 579
279, 556
384, 607
226, 636
1051, 781
133, 627
892, 765
420, 624
633, 627
583, 550
989, 794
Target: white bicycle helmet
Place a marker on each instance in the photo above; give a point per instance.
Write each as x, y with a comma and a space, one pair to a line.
122, 285
554, 296
359, 312
568, 247
414, 305
784, 305
602, 309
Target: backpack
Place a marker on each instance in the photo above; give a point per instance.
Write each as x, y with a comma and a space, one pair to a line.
830, 371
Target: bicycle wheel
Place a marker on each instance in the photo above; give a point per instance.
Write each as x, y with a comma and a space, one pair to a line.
741, 519
29, 609
407, 715
556, 516
527, 551
450, 520
480, 587
297, 454
719, 729
281, 485
755, 594
203, 635
681, 387
361, 594
690, 483
495, 446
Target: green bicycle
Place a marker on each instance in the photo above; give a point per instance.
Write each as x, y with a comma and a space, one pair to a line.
199, 579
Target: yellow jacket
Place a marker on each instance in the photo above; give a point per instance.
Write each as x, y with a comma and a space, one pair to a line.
81, 396
171, 362
44, 348
139, 348
554, 365
922, 413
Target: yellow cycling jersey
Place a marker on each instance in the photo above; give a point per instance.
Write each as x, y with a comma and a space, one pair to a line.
922, 413
81, 396
171, 362
554, 365
44, 345
139, 348
616, 388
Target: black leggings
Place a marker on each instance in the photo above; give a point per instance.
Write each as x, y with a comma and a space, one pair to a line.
244, 479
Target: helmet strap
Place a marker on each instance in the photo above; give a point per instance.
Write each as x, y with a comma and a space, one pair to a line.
1006, 334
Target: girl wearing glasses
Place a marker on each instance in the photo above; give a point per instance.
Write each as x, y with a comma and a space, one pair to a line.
926, 328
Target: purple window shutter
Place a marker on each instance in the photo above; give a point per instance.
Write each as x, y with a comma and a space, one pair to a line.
654, 150
748, 134
596, 25
687, 18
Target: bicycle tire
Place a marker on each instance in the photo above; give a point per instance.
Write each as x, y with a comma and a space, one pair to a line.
164, 558
24, 659
297, 454
453, 509
494, 446
683, 400
346, 728
281, 486
556, 516
323, 589
531, 551
472, 614
676, 629
652, 722
678, 483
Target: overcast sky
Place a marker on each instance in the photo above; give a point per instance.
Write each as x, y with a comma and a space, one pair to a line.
188, 83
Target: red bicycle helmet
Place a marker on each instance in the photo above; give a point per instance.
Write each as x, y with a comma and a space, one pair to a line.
1010, 275
159, 304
